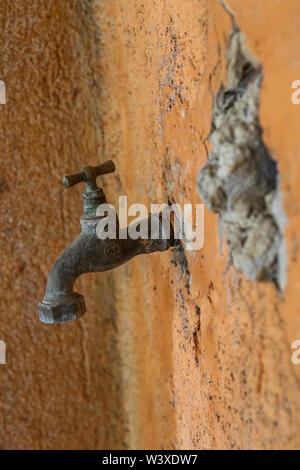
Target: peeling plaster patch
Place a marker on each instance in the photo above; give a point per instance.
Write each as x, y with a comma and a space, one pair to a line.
240, 181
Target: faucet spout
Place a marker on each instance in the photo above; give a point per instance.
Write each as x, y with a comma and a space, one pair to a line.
87, 254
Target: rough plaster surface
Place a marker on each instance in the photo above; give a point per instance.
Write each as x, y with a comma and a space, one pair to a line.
240, 181
175, 350
61, 384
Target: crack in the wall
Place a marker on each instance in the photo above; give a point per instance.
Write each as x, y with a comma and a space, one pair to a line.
172, 176
180, 260
240, 181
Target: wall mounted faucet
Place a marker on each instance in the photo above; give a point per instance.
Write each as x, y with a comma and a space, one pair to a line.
87, 253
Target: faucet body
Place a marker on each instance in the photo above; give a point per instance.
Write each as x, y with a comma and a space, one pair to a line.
90, 254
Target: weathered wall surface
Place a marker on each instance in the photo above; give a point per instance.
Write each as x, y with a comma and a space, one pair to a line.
60, 384
177, 349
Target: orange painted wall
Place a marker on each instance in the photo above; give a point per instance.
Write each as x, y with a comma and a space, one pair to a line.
166, 357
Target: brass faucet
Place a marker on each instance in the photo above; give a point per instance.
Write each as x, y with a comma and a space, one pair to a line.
88, 253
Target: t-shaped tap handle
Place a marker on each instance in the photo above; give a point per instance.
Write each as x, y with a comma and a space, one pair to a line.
88, 175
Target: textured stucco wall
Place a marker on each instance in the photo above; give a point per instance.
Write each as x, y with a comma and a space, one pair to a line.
60, 387
171, 353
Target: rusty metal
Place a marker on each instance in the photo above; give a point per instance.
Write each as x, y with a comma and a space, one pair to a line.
88, 253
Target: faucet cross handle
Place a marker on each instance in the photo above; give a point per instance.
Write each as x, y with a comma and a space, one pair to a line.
88, 175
